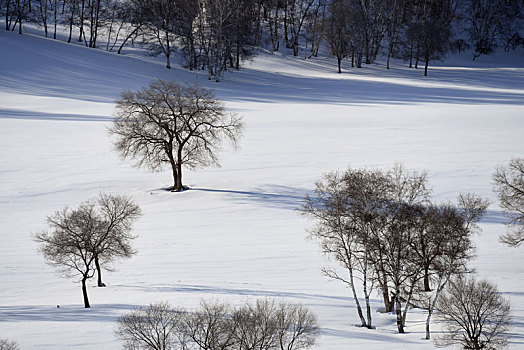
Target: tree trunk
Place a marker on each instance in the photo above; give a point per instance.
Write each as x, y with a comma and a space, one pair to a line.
427, 286
168, 51
127, 38
70, 29
81, 21
99, 273
179, 185
388, 303
426, 67
339, 59
84, 292
168, 62
398, 311
7, 5
359, 309
176, 186
428, 336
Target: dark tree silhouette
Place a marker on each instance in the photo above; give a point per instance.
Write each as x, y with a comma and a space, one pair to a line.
168, 123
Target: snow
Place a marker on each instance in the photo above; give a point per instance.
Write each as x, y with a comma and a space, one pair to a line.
236, 235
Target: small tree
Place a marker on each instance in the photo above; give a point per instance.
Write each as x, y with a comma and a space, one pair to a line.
297, 327
211, 327
116, 215
255, 325
68, 245
155, 327
509, 186
82, 238
474, 314
167, 123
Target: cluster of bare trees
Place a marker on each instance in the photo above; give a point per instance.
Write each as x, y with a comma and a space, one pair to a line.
384, 232
83, 240
217, 35
422, 30
264, 325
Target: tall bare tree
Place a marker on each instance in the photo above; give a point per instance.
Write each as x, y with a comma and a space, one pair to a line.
337, 30
347, 208
178, 125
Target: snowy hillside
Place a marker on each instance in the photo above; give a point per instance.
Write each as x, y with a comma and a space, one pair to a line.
236, 235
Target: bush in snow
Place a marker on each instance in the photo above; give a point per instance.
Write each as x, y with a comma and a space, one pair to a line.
265, 325
474, 314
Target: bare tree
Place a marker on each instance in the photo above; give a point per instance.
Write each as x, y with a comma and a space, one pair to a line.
297, 13
84, 239
68, 246
346, 208
211, 328
256, 326
443, 245
116, 215
509, 186
475, 315
297, 327
167, 123
436, 30
6, 344
155, 327
337, 30
159, 19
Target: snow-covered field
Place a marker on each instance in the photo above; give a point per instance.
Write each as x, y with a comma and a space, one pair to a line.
236, 235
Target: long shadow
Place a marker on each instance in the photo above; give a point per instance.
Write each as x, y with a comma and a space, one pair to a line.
281, 197
31, 115
66, 313
495, 217
363, 333
258, 86
240, 292
69, 71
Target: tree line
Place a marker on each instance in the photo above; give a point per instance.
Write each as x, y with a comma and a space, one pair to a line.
264, 325
216, 35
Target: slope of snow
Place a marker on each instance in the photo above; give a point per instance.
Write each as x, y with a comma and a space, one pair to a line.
236, 235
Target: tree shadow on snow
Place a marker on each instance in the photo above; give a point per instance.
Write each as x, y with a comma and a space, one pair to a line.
69, 71
274, 196
31, 115
64, 313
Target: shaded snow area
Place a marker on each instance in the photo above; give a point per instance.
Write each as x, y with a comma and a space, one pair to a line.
236, 234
